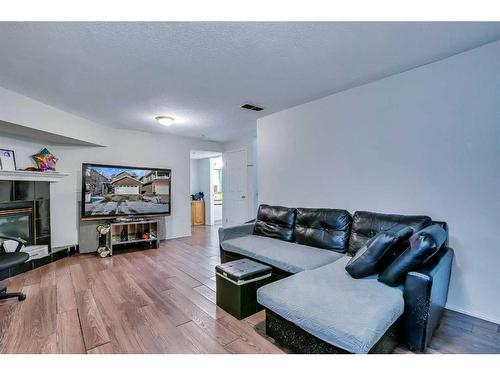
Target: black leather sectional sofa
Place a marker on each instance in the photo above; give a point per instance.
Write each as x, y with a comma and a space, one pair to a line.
313, 305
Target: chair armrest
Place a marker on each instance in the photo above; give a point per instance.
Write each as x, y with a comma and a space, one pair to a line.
425, 294
235, 231
20, 242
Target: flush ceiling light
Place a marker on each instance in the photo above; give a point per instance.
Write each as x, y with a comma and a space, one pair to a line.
165, 120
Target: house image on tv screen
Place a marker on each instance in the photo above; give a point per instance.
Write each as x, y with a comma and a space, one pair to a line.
96, 183
156, 182
125, 183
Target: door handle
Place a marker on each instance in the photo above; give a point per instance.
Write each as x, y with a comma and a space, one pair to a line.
243, 196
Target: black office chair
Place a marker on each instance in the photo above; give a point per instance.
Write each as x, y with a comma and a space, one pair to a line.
8, 260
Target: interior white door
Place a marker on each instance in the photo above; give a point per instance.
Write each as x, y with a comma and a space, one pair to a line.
235, 187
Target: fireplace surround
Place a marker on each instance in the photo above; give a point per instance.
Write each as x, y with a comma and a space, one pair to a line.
28, 199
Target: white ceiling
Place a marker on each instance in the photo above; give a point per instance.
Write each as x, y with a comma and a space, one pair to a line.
124, 74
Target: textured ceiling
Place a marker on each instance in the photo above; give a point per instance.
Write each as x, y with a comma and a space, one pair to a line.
124, 74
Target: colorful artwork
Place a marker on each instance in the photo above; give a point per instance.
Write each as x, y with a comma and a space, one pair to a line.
45, 161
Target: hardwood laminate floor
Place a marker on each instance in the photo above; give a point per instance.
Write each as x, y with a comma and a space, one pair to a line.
160, 301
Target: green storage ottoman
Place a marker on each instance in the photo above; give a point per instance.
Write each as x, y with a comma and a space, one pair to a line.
237, 283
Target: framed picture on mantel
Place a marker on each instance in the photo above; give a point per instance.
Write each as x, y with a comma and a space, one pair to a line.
7, 160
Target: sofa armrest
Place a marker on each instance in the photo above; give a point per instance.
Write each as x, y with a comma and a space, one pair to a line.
235, 231
425, 294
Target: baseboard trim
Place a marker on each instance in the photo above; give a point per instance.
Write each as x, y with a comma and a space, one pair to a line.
473, 314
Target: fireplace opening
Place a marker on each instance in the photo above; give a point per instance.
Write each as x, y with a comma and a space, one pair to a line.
17, 222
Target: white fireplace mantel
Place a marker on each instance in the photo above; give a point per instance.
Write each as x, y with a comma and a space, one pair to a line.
48, 176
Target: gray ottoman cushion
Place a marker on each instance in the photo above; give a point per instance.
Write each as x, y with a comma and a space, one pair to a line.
352, 314
287, 256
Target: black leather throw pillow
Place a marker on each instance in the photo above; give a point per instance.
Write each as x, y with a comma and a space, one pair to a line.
275, 222
423, 247
369, 258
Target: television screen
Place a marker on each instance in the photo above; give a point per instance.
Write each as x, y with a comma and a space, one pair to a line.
111, 190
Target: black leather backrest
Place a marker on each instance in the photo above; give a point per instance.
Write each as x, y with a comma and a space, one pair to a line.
275, 222
322, 227
366, 225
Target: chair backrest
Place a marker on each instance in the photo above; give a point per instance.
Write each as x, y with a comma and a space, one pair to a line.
9, 245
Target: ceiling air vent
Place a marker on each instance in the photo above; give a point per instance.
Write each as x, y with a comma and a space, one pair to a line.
252, 107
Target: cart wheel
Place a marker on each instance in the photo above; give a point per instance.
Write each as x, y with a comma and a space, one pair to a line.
104, 253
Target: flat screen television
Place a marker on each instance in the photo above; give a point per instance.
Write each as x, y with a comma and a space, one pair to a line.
115, 190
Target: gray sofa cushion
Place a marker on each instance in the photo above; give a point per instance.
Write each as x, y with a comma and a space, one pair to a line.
329, 304
287, 256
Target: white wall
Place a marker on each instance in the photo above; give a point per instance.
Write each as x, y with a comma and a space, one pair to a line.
124, 148
426, 141
194, 183
250, 145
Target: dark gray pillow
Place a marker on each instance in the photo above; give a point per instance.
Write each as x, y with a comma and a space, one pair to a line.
370, 257
423, 247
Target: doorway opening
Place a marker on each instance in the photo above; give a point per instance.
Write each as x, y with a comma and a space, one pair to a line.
216, 184
206, 187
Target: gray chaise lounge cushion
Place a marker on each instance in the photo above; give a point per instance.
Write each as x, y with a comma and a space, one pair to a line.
352, 314
287, 256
